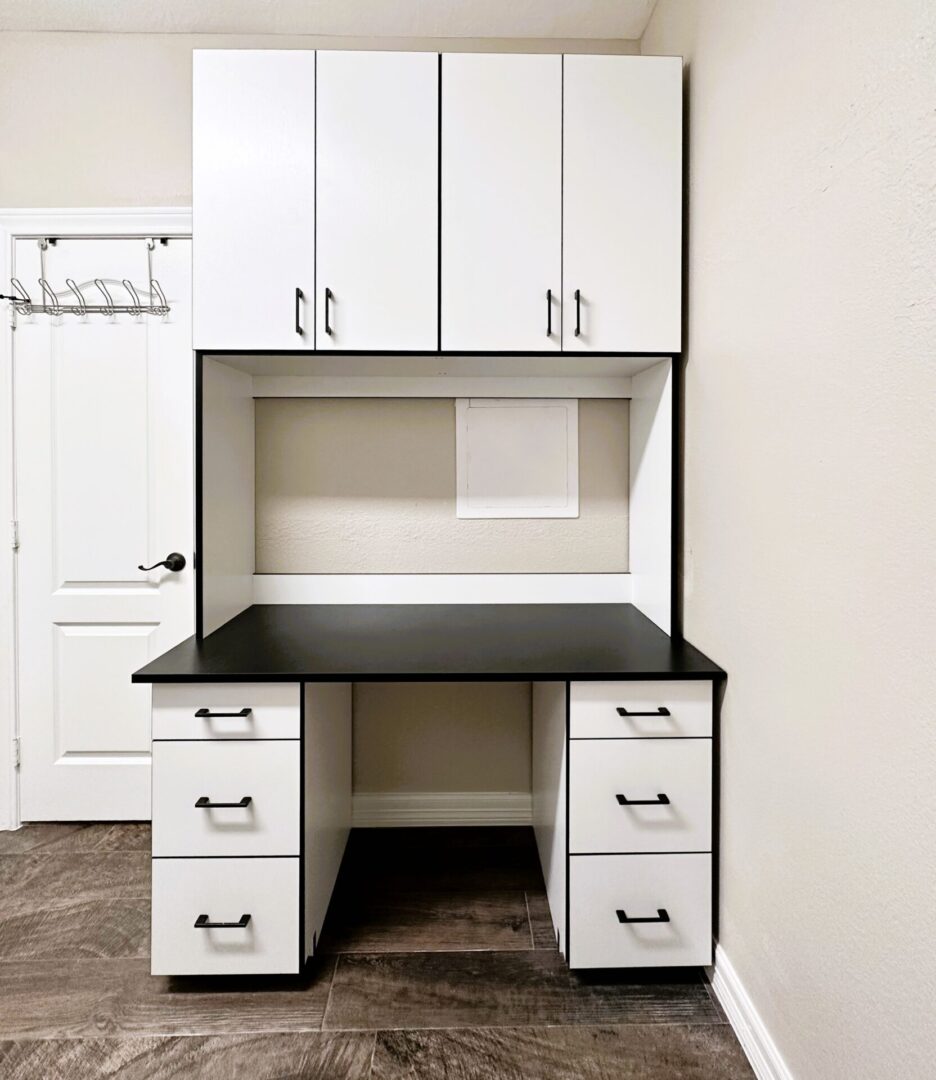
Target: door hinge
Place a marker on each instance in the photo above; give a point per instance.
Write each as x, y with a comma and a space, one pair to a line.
16, 753
14, 535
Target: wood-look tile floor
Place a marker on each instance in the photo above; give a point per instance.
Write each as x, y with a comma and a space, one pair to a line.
438, 961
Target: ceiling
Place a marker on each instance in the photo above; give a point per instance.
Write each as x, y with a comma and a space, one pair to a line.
609, 19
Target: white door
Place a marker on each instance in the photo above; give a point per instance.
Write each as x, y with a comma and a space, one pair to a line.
104, 463
377, 201
253, 166
622, 203
501, 202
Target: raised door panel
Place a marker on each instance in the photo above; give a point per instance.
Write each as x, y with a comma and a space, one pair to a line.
622, 203
377, 201
253, 164
501, 202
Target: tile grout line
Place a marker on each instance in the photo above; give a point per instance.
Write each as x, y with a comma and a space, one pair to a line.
526, 901
331, 986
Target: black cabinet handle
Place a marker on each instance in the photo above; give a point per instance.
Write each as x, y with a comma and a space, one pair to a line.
578, 312
207, 712
660, 800
329, 296
299, 296
662, 915
173, 561
205, 802
202, 923
661, 711
549, 313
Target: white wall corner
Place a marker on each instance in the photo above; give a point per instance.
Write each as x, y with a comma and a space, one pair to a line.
755, 1039
384, 809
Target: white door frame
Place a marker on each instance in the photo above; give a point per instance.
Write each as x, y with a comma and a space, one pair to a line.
92, 223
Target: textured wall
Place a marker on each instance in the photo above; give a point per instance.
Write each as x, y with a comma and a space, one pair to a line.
367, 485
106, 119
810, 515
441, 737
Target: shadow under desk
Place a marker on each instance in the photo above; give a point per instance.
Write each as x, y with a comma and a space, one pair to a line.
252, 760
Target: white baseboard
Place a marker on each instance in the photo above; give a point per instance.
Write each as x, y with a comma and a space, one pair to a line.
383, 809
753, 1035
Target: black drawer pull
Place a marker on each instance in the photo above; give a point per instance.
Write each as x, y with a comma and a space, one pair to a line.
662, 915
299, 296
661, 711
549, 313
578, 312
213, 715
329, 296
202, 923
660, 800
206, 803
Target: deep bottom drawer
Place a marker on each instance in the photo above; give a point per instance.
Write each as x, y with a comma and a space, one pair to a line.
225, 890
640, 886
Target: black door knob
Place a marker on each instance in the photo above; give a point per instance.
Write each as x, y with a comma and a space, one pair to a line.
174, 562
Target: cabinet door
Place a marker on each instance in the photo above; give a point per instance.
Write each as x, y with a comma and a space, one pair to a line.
377, 201
622, 203
501, 202
253, 165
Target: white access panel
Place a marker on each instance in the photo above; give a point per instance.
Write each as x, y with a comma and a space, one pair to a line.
377, 201
501, 202
253, 198
622, 203
516, 458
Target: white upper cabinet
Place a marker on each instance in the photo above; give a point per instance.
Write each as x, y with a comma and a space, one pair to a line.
501, 202
622, 204
253, 162
377, 201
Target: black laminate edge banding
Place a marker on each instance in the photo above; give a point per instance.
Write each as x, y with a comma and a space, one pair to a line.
435, 352
302, 830
199, 496
568, 773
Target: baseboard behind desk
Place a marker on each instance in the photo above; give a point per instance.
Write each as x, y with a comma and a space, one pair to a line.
384, 809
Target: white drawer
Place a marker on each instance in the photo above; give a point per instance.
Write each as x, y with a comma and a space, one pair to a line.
225, 890
640, 887
640, 771
226, 710
632, 710
266, 773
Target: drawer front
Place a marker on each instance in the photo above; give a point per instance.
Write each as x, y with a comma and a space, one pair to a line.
225, 889
634, 710
226, 710
266, 773
640, 886
640, 771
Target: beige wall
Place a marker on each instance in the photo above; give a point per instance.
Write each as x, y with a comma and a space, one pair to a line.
810, 508
105, 119
442, 737
367, 486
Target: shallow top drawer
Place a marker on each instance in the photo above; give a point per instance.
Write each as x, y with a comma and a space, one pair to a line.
634, 710
226, 711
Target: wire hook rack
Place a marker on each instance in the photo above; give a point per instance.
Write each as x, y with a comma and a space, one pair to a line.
131, 300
